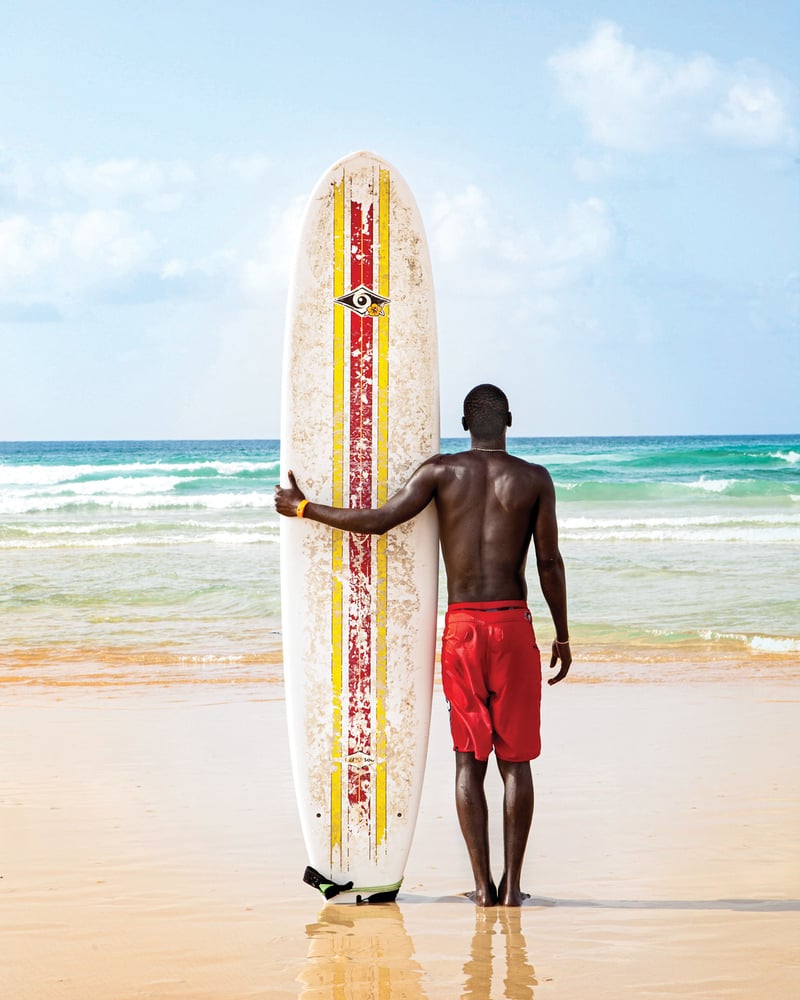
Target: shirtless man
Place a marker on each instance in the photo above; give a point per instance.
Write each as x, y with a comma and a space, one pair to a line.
489, 505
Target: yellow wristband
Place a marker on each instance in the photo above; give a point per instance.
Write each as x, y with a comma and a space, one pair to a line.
301, 508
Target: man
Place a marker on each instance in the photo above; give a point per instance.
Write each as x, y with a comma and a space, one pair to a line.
489, 505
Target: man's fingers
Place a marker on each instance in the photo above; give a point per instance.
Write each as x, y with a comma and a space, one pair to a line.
292, 480
565, 664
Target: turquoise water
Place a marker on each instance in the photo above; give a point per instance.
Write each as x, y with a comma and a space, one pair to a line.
150, 561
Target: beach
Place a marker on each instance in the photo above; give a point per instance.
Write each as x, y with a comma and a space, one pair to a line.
150, 847
149, 840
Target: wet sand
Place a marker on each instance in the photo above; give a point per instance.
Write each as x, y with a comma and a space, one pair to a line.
150, 848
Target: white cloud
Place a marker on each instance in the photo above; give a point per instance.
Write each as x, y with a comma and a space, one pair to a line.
267, 269
212, 270
159, 186
752, 114
642, 99
483, 254
155, 186
585, 235
108, 239
469, 219
174, 268
24, 248
69, 251
525, 282
130, 226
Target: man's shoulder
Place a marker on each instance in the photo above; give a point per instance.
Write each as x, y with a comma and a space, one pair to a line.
462, 459
447, 458
536, 470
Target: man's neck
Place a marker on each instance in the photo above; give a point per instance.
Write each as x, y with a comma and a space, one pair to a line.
488, 444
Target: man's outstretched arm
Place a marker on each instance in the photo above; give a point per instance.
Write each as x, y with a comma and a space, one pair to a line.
405, 504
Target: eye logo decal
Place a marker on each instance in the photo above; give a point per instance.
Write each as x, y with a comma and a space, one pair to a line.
364, 301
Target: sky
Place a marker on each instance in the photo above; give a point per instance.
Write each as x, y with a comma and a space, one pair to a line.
610, 193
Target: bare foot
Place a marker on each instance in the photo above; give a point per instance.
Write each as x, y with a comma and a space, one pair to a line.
510, 896
483, 897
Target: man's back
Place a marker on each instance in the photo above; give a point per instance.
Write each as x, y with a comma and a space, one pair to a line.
488, 505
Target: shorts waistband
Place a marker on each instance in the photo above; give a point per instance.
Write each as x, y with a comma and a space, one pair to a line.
488, 606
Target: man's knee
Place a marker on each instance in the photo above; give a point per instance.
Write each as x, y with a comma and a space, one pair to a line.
514, 768
468, 763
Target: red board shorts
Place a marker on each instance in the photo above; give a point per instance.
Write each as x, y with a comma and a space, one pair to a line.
492, 679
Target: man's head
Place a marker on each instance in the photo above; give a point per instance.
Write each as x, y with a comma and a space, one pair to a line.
486, 412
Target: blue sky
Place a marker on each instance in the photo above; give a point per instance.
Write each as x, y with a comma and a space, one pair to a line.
610, 193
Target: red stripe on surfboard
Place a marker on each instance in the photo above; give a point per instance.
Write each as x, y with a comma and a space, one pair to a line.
360, 546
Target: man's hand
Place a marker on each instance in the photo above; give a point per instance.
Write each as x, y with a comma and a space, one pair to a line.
561, 651
286, 500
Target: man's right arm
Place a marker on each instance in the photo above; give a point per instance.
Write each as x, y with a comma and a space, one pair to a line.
413, 497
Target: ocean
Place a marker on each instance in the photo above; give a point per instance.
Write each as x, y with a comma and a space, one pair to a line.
158, 562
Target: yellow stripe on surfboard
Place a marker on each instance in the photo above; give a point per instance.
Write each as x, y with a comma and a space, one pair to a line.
382, 468
337, 540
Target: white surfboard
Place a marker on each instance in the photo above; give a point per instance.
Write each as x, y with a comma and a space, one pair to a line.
360, 411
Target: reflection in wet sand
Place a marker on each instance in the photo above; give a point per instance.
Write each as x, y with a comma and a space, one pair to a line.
519, 976
360, 953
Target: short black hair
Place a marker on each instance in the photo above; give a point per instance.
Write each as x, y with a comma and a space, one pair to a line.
486, 410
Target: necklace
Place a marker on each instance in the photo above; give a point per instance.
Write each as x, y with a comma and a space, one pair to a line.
487, 449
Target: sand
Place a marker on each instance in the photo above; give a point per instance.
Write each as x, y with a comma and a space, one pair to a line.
150, 848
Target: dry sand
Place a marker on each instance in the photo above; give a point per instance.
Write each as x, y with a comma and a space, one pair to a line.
150, 848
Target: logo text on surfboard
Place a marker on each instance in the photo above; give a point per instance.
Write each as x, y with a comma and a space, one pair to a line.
364, 301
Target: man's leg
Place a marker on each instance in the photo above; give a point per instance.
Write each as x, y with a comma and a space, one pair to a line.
517, 816
473, 816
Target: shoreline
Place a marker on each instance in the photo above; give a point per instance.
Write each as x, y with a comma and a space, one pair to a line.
646, 663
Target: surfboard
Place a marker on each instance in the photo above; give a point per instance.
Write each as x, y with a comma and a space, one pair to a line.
360, 411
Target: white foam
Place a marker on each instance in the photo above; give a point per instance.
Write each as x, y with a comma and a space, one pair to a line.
30, 504
711, 636
165, 539
43, 475
783, 527
758, 643
49, 475
711, 485
792, 457
755, 536
118, 485
557, 458
236, 501
73, 543
237, 538
767, 644
706, 521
